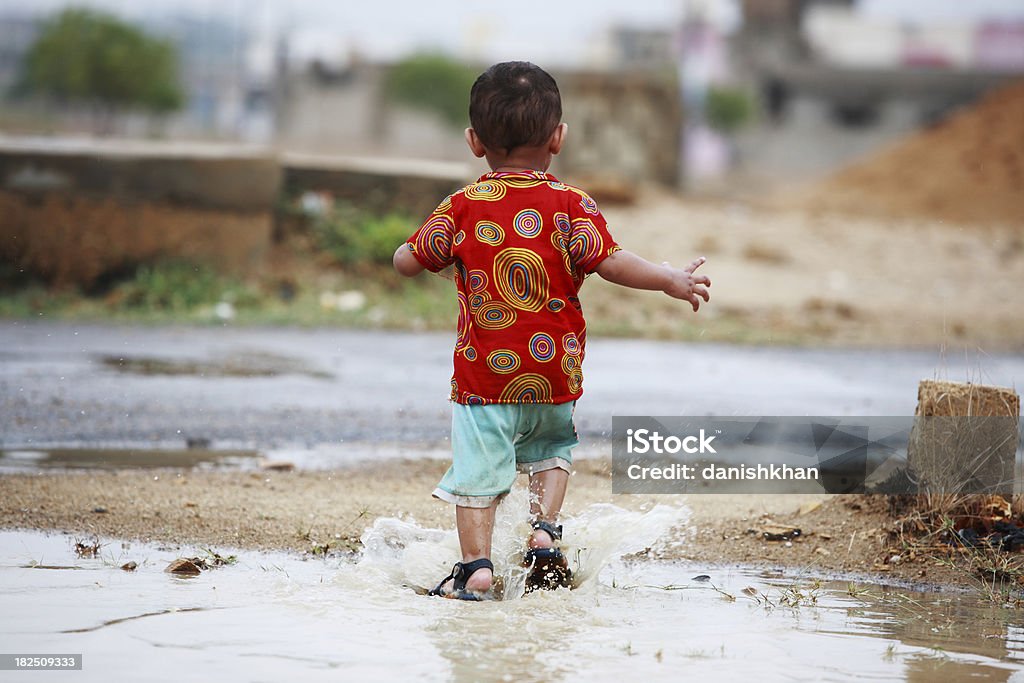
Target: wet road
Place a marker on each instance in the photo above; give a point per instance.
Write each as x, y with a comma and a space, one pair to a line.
66, 384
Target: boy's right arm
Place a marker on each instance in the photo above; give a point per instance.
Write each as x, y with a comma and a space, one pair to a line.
629, 270
405, 263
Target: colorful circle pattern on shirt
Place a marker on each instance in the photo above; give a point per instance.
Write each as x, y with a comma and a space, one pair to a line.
503, 361
490, 232
521, 244
487, 191
434, 240
476, 280
563, 223
528, 223
527, 388
495, 315
585, 242
521, 279
542, 347
462, 327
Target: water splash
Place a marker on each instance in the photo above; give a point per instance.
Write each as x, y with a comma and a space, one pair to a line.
406, 554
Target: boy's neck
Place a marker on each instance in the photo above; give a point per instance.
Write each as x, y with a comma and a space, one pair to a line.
521, 159
516, 169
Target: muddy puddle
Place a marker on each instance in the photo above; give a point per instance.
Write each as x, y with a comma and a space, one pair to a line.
241, 364
22, 460
278, 616
209, 456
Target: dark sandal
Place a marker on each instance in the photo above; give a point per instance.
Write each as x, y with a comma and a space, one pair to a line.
549, 569
460, 574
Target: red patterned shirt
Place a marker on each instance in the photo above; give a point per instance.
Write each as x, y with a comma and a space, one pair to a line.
521, 244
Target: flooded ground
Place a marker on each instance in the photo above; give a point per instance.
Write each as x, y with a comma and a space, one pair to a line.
91, 417
282, 616
64, 384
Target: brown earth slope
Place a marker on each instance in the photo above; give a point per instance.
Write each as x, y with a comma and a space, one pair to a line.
967, 169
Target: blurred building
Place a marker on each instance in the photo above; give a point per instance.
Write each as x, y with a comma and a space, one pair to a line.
830, 50
17, 33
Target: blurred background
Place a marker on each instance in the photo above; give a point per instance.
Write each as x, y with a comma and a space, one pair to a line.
853, 169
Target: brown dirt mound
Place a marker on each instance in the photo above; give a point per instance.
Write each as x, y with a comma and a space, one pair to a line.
967, 169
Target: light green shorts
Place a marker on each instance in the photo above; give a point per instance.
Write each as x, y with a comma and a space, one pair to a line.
490, 443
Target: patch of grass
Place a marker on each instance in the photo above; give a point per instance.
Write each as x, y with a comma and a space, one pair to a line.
179, 287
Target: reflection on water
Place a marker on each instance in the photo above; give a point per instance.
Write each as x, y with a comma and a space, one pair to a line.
274, 616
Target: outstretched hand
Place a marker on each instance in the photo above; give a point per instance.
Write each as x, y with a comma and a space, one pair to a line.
687, 286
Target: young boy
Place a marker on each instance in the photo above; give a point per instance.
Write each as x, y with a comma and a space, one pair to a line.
521, 244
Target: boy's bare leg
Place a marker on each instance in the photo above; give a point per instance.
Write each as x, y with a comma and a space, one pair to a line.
547, 491
476, 526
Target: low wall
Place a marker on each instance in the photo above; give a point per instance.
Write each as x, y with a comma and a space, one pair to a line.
72, 212
410, 186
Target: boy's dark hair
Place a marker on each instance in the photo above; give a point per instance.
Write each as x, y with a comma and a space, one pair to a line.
514, 104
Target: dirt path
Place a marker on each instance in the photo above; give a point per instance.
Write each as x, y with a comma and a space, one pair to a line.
295, 510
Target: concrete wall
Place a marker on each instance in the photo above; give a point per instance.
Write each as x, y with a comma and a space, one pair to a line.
623, 126
405, 185
71, 212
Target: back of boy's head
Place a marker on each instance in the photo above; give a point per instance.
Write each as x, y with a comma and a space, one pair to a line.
514, 104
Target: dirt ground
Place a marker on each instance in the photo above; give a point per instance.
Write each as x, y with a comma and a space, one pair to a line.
967, 169
297, 510
796, 276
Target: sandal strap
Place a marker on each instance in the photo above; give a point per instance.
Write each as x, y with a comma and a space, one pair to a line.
460, 574
554, 531
463, 570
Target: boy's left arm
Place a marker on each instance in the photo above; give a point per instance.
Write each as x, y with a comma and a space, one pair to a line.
629, 270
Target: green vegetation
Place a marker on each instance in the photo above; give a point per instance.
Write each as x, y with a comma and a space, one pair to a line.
728, 109
179, 287
94, 58
357, 236
432, 82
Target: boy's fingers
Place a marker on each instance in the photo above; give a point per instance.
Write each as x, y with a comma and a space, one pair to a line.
701, 292
702, 280
695, 265
694, 301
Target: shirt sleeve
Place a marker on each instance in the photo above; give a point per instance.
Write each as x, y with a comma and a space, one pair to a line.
432, 243
590, 242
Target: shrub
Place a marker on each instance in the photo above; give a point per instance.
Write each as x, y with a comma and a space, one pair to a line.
356, 236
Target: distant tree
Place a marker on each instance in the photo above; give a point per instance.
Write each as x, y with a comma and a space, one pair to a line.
89, 57
728, 109
432, 82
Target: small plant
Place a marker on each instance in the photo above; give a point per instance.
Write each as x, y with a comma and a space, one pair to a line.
87, 548
213, 559
355, 236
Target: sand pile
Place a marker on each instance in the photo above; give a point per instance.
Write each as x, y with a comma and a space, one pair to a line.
967, 169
